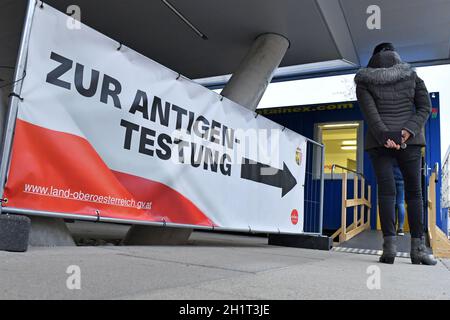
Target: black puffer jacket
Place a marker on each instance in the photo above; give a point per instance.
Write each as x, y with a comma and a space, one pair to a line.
392, 97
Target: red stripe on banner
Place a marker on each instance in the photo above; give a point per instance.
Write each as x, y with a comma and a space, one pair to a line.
60, 172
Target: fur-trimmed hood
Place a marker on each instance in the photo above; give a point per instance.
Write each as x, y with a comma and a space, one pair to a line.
384, 68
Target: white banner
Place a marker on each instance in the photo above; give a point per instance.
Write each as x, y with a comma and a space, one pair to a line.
108, 132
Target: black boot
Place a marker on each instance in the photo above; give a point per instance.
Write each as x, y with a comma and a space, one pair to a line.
389, 250
419, 253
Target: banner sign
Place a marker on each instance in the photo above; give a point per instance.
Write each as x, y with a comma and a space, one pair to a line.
104, 131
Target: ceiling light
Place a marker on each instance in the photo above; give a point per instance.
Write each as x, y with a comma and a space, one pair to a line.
349, 142
348, 147
340, 125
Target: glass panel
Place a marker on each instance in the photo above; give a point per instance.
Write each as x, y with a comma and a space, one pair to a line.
341, 145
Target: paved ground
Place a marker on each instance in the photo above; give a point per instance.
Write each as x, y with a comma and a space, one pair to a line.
214, 266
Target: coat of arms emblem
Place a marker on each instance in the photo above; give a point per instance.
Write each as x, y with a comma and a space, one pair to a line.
298, 156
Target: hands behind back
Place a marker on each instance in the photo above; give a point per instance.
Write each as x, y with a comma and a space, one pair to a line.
392, 145
405, 135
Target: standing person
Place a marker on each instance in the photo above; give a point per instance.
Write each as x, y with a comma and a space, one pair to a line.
395, 105
399, 199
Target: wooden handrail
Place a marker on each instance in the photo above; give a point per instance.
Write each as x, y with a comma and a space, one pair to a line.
333, 166
439, 242
359, 224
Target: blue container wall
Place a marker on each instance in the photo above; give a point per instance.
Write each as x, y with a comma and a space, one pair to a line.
433, 156
302, 119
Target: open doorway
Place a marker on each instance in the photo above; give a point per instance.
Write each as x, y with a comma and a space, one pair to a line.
344, 146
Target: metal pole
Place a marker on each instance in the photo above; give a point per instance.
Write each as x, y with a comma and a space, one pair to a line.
347, 169
322, 165
60, 215
14, 100
313, 142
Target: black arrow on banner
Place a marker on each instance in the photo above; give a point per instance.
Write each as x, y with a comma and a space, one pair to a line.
263, 173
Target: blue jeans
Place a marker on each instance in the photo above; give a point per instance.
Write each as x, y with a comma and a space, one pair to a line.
400, 203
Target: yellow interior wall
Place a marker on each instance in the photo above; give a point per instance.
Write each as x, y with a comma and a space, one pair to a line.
405, 225
333, 139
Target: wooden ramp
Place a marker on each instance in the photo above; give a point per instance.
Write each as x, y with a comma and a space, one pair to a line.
371, 242
358, 238
361, 209
439, 242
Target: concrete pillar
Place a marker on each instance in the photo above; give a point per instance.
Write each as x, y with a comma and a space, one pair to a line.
150, 235
248, 83
49, 232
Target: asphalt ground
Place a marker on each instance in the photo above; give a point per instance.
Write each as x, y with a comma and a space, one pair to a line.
214, 266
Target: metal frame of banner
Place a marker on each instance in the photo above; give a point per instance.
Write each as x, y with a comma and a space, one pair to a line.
49, 214
320, 174
322, 166
9, 135
71, 216
15, 96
